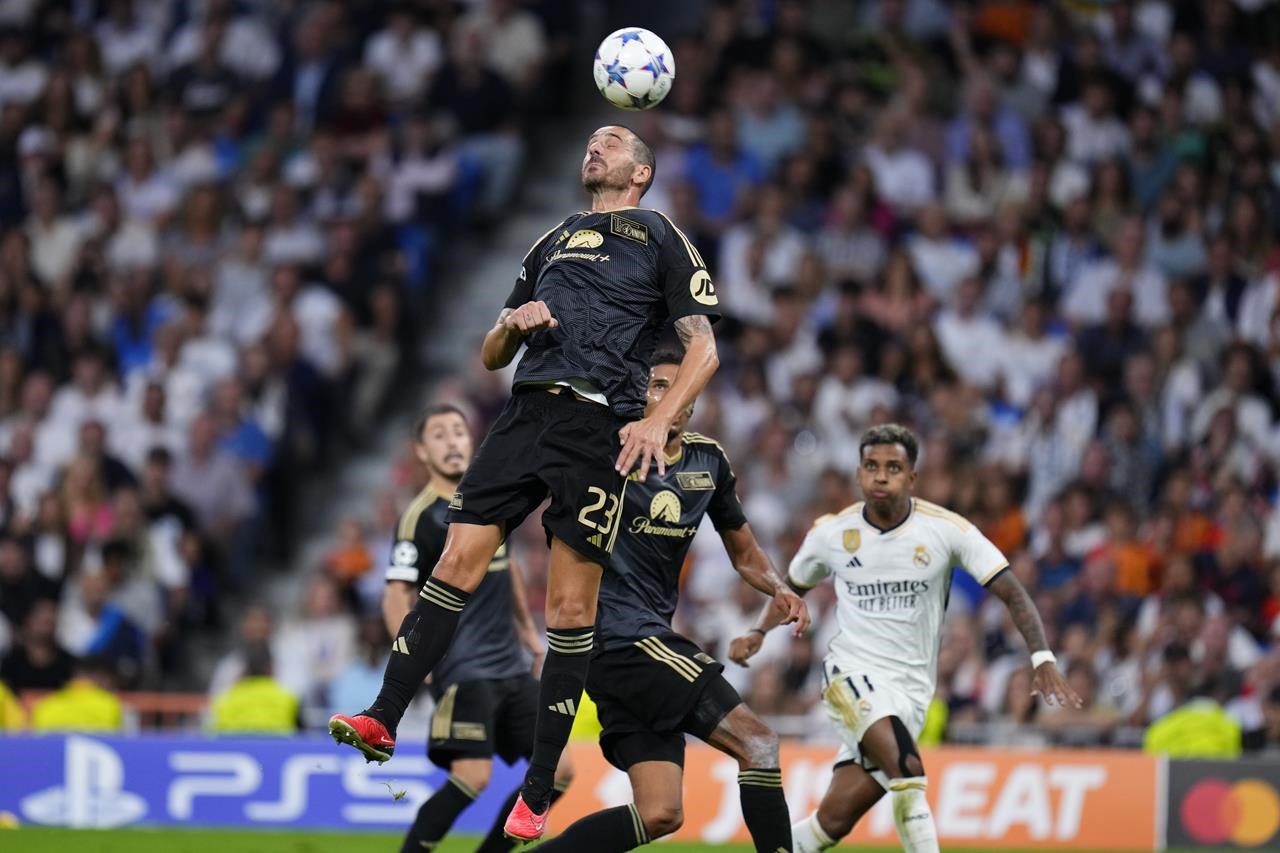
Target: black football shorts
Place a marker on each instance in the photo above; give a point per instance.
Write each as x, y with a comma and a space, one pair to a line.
651, 693
484, 718
548, 443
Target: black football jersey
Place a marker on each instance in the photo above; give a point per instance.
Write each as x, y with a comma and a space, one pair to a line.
612, 280
660, 516
485, 645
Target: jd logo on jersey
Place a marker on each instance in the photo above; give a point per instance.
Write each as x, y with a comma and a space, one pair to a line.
701, 288
852, 539
665, 506
586, 239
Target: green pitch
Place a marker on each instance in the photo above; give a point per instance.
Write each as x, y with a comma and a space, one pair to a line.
41, 840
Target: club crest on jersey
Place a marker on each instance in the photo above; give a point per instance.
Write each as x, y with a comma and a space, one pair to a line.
628, 228
405, 554
852, 540
665, 506
701, 288
585, 239
921, 557
695, 481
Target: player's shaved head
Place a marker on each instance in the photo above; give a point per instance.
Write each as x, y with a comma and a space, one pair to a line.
639, 151
892, 434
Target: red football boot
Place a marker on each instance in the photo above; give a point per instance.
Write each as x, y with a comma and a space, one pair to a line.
523, 824
365, 734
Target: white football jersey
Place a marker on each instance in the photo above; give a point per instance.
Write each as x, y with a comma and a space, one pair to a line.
892, 586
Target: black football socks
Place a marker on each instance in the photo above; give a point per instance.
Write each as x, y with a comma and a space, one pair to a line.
424, 637
496, 841
764, 808
437, 815
563, 675
610, 831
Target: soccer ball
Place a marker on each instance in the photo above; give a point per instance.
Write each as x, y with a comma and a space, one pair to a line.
634, 69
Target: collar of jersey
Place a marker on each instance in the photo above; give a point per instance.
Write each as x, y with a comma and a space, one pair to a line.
911, 511
675, 457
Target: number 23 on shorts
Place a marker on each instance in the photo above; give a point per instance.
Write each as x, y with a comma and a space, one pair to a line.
600, 514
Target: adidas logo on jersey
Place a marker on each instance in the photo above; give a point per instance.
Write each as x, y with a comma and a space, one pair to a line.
566, 707
854, 563
400, 646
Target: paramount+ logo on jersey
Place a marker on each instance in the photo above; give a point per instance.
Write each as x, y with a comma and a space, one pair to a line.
664, 518
885, 596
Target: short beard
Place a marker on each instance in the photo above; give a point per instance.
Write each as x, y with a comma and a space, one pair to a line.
609, 180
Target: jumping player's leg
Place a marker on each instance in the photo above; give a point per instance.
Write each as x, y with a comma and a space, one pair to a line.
468, 777
851, 794
890, 745
428, 629
655, 811
497, 841
745, 737
573, 582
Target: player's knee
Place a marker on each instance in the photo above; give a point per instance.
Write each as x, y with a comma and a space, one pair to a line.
911, 765
760, 746
474, 775
461, 567
661, 818
836, 822
569, 611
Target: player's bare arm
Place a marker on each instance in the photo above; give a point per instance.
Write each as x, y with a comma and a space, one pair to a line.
502, 342
1047, 680
397, 601
644, 439
754, 566
743, 648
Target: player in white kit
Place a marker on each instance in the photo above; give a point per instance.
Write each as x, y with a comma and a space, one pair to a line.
891, 560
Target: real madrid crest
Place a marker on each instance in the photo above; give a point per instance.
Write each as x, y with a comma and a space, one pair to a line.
852, 539
921, 557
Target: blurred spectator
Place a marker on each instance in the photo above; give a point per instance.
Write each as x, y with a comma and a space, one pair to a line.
404, 53
364, 673
37, 661
321, 642
256, 703
212, 482
256, 629
86, 703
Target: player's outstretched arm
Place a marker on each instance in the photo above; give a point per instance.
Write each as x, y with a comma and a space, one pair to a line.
1047, 681
741, 649
514, 325
753, 564
643, 440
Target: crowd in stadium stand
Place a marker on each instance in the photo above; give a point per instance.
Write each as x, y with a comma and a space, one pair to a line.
1047, 237
218, 221
1044, 235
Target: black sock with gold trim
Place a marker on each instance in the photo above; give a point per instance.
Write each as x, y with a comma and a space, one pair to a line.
423, 638
764, 808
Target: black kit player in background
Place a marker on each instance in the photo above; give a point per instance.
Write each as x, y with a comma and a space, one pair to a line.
590, 300
486, 697
650, 684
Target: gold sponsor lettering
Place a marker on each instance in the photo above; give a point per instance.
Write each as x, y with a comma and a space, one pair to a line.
640, 524
559, 255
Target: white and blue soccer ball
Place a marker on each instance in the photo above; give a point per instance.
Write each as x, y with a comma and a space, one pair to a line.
634, 69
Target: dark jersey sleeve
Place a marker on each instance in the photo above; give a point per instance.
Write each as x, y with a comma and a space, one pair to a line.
413, 559
725, 510
685, 280
522, 292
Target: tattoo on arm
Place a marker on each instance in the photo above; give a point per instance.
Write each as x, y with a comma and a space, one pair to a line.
693, 326
1021, 609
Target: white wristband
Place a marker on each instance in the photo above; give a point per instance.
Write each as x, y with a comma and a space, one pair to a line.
1042, 656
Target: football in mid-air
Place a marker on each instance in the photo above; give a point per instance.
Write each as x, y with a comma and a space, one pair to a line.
634, 69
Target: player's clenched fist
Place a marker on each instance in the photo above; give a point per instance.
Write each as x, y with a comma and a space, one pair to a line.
529, 318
